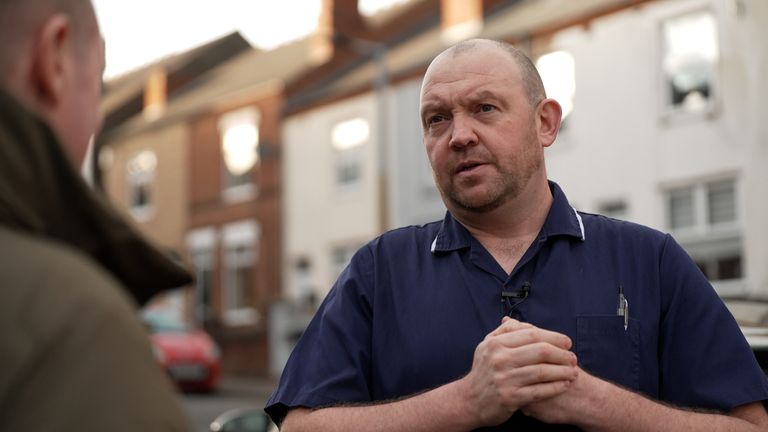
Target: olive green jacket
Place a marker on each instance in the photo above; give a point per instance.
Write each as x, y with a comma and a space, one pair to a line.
73, 355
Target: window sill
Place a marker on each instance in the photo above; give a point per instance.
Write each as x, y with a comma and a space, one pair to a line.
707, 234
143, 214
238, 194
241, 317
731, 288
671, 117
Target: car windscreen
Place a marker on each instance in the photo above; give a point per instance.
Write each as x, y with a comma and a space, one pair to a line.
163, 323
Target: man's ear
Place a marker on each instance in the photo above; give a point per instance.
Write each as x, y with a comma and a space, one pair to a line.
549, 115
50, 60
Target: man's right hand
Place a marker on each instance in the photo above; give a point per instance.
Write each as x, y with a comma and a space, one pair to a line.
515, 365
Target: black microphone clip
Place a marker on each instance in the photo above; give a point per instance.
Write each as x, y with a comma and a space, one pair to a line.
522, 294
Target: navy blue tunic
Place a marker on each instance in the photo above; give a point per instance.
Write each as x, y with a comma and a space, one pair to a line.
409, 310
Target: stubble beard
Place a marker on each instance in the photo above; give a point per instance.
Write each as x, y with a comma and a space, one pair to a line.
507, 185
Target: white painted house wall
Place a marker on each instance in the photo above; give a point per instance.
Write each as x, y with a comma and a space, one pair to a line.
621, 143
319, 216
413, 195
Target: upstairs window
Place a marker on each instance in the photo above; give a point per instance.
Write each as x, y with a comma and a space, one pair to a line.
141, 176
558, 73
690, 56
348, 139
240, 150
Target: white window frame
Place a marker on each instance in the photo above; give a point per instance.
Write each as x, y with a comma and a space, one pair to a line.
605, 208
705, 241
201, 247
701, 226
349, 150
348, 249
558, 87
667, 110
140, 173
246, 233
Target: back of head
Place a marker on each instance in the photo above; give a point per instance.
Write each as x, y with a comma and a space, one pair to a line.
51, 62
20, 22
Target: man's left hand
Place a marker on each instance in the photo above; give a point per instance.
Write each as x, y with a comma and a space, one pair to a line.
569, 407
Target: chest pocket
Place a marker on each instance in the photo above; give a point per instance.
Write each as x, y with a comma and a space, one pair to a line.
607, 351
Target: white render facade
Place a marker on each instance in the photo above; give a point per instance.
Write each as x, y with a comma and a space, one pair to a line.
698, 172
331, 192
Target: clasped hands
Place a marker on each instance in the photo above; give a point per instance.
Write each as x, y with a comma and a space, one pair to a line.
521, 367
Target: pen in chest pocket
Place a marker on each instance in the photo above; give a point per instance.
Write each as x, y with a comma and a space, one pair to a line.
623, 307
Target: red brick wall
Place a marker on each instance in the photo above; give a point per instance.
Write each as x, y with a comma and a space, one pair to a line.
245, 349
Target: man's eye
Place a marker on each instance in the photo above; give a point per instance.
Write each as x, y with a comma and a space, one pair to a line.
437, 118
486, 108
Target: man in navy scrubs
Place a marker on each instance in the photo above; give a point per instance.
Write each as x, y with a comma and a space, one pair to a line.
516, 312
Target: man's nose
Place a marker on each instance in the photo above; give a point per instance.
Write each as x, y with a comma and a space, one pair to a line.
463, 133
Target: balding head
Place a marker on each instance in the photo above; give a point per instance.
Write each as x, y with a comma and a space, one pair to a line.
531, 80
52, 61
21, 20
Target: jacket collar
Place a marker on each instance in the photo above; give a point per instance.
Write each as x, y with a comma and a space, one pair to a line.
42, 194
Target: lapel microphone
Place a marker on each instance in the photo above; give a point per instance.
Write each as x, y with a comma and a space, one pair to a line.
523, 294
518, 297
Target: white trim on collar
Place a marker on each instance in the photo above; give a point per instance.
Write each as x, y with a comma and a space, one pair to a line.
581, 224
434, 244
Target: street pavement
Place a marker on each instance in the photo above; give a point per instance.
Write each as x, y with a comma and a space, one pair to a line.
233, 392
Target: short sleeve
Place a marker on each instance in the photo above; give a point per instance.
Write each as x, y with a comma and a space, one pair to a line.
331, 362
705, 361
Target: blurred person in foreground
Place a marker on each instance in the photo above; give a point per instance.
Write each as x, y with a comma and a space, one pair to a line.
74, 355
516, 312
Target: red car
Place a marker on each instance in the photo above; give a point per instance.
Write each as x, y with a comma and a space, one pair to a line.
189, 355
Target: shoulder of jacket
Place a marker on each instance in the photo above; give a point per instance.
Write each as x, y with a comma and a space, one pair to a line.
42, 277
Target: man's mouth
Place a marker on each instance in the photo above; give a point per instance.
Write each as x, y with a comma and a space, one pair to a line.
466, 167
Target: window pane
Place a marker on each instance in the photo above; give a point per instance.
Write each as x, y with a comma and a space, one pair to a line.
342, 256
239, 135
681, 210
690, 54
729, 267
347, 172
349, 134
243, 294
722, 202
615, 209
347, 138
702, 265
141, 173
140, 195
557, 70
202, 260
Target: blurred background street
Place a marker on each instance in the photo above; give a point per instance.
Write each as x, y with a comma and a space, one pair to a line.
232, 393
